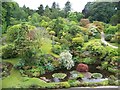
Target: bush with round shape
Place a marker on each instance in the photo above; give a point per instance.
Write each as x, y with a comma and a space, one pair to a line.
9, 51
59, 75
108, 37
82, 67
97, 75
78, 41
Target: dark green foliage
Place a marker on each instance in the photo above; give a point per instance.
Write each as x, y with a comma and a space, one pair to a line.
100, 11
40, 10
67, 7
108, 37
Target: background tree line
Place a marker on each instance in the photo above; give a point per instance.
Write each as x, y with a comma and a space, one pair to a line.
107, 12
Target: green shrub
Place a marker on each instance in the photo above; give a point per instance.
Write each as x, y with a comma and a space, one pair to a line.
37, 71
56, 49
96, 49
88, 60
78, 41
9, 51
108, 37
64, 85
116, 38
13, 31
111, 30
96, 75
111, 80
74, 83
59, 75
49, 67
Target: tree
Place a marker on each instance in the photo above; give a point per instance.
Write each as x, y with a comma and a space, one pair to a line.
47, 11
54, 11
54, 5
40, 10
115, 19
67, 7
100, 11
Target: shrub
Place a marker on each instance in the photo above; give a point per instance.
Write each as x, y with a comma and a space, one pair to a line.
116, 38
78, 41
88, 60
49, 67
13, 31
84, 22
59, 75
96, 49
64, 85
66, 59
9, 51
56, 49
82, 67
74, 83
111, 80
96, 75
108, 37
111, 30
44, 59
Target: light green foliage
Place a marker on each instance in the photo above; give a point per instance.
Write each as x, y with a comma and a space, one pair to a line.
78, 41
59, 75
96, 49
43, 23
34, 19
66, 60
56, 49
116, 38
96, 75
14, 31
74, 83
72, 16
111, 29
88, 60
9, 51
37, 71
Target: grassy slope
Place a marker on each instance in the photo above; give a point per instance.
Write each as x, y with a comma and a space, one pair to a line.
15, 79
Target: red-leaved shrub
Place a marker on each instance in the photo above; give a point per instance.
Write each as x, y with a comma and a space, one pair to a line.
82, 67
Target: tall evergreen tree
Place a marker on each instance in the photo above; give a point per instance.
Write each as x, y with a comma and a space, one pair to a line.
40, 10
67, 7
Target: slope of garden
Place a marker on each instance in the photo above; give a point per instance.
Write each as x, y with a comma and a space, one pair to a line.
62, 52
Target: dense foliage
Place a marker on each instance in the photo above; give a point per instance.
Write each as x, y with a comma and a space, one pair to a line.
50, 39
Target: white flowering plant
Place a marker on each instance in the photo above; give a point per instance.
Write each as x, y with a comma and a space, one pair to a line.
66, 59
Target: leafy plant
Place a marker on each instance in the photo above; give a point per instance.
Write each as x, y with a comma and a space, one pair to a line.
56, 49
97, 75
88, 60
59, 75
74, 83
49, 67
9, 51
